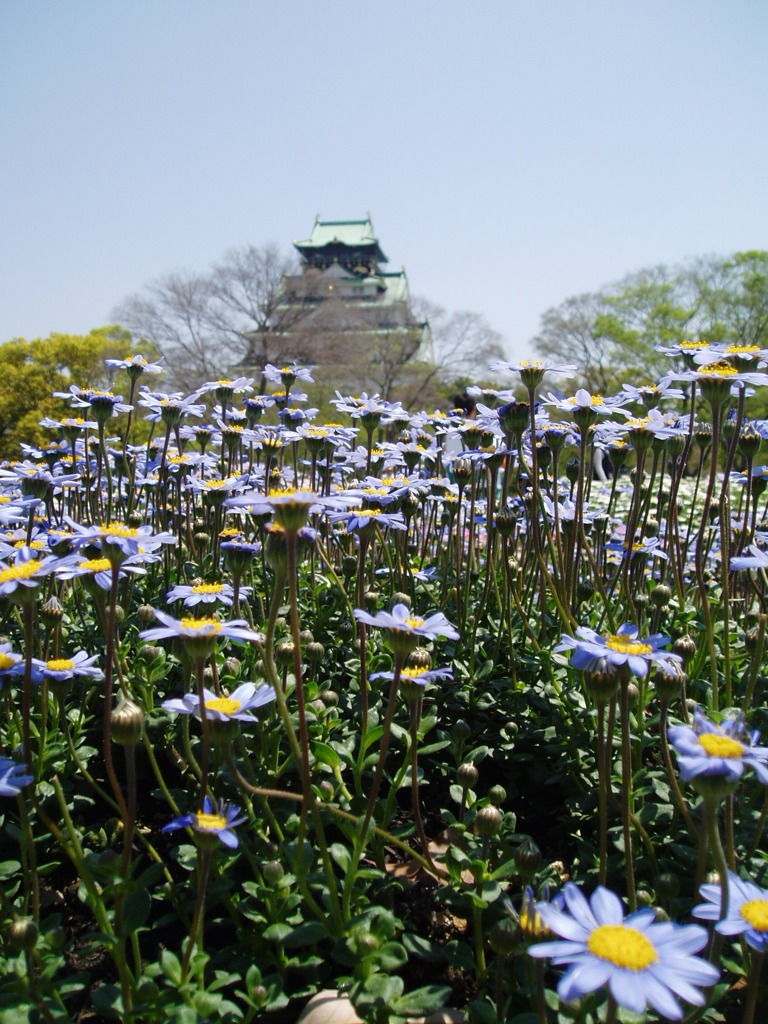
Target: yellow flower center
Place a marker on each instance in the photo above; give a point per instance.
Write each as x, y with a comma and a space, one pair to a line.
719, 370
37, 545
756, 912
624, 646
414, 621
593, 400
622, 946
738, 349
225, 705
60, 665
369, 512
301, 494
19, 572
694, 344
716, 745
531, 362
210, 822
530, 922
119, 530
413, 673
208, 623
6, 661
4, 499
207, 588
95, 565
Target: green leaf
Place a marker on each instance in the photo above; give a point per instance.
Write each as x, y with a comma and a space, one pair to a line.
277, 932
423, 948
325, 754
371, 737
171, 966
377, 992
341, 855
390, 956
108, 1001
459, 955
305, 934
8, 868
206, 1002
136, 911
15, 1015
422, 1001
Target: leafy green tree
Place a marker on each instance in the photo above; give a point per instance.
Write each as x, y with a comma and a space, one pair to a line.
612, 335
32, 370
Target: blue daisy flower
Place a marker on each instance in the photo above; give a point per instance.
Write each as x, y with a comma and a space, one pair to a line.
13, 777
642, 962
747, 910
232, 707
215, 820
617, 649
718, 750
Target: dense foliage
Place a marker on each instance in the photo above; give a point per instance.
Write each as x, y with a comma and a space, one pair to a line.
372, 700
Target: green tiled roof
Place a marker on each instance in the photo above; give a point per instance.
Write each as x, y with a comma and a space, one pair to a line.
355, 234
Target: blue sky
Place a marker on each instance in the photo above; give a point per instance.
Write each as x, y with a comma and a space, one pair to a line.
510, 153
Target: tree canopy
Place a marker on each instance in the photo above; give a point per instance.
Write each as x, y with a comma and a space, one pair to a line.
32, 370
613, 334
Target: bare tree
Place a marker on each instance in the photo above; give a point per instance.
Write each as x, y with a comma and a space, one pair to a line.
175, 313
210, 325
463, 344
257, 306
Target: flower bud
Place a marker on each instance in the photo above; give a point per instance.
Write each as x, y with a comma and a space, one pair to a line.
145, 613
284, 653
315, 651
462, 471
527, 858
668, 680
685, 646
488, 821
231, 667
272, 871
52, 611
467, 775
149, 653
506, 521
127, 723
461, 731
661, 595
23, 934
419, 658
497, 795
